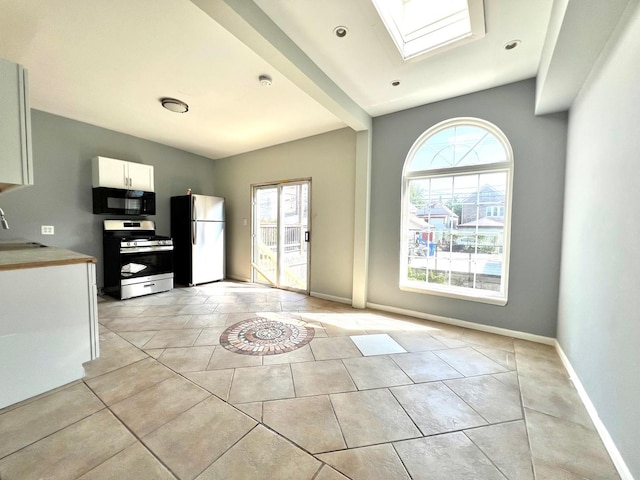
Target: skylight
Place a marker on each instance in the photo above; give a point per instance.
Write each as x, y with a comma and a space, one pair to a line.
420, 26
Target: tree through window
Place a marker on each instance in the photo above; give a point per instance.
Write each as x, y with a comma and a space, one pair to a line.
456, 194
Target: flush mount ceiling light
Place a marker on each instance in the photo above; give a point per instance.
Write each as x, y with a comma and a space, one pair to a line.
265, 80
340, 31
512, 44
174, 105
421, 26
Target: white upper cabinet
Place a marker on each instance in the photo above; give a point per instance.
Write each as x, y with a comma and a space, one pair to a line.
140, 177
109, 172
16, 163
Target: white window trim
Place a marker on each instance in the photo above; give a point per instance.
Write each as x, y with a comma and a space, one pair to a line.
494, 211
480, 296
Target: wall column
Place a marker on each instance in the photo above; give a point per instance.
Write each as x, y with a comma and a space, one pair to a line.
361, 219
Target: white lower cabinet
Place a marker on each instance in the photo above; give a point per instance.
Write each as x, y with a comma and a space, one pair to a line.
49, 328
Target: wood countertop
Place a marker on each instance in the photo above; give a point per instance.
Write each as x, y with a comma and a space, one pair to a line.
36, 257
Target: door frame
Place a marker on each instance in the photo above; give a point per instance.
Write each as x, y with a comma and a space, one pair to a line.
254, 267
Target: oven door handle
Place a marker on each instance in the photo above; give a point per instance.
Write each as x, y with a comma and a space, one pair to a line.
164, 248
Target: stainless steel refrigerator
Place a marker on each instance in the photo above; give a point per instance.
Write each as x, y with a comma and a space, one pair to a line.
197, 229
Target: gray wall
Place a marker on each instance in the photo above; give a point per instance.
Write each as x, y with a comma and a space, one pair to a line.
599, 311
539, 145
61, 196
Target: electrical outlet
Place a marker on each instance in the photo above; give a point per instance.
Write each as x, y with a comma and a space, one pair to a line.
47, 230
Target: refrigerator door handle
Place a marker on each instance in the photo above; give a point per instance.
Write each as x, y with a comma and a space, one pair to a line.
194, 224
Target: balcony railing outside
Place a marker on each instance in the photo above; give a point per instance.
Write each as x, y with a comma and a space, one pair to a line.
295, 256
293, 236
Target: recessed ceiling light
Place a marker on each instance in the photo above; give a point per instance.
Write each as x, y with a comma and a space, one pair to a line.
174, 105
512, 44
340, 31
265, 80
395, 83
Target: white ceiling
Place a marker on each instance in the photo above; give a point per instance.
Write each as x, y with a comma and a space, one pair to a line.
109, 63
366, 61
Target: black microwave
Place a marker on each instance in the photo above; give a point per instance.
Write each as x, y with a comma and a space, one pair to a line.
116, 201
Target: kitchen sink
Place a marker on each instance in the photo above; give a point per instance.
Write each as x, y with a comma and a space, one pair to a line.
8, 246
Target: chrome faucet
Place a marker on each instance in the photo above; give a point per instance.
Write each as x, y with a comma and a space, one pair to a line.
3, 220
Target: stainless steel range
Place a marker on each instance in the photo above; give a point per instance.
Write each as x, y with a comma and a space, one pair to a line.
136, 260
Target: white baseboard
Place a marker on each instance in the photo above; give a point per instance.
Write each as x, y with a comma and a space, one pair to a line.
616, 458
332, 298
463, 323
239, 279
435, 318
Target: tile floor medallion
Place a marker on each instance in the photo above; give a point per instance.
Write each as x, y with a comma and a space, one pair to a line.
234, 380
263, 336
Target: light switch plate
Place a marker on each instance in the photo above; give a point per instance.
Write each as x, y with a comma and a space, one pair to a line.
47, 230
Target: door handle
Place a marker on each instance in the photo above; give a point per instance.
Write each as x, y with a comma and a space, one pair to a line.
307, 236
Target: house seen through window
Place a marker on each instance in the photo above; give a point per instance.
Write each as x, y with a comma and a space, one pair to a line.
456, 210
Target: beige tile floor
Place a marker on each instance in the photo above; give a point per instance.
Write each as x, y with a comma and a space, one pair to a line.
402, 399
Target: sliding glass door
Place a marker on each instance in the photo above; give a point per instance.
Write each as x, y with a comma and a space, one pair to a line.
281, 234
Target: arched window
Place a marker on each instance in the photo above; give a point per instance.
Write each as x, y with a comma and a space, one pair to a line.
456, 211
